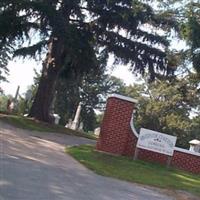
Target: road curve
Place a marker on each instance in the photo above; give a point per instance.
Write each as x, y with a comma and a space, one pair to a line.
33, 166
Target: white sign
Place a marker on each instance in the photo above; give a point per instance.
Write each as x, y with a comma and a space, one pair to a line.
157, 142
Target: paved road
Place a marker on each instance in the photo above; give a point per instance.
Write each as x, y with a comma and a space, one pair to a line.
36, 168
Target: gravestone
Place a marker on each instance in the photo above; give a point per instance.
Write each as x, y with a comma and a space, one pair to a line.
97, 131
75, 122
69, 123
80, 128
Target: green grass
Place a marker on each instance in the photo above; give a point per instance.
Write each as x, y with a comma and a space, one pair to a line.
34, 125
135, 171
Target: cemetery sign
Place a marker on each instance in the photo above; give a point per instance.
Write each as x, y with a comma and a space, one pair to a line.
157, 142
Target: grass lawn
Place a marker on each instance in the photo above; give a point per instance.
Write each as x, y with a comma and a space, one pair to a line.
34, 125
135, 171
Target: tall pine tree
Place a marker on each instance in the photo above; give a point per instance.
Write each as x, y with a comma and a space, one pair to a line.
74, 33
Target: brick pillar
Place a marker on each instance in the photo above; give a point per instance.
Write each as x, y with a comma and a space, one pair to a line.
116, 136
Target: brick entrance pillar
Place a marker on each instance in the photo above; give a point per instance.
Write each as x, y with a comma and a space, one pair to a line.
116, 136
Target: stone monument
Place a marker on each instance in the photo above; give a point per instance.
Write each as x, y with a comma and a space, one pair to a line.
75, 122
80, 128
69, 123
97, 131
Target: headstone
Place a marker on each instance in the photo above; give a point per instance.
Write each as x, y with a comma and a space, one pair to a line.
75, 122
80, 128
56, 119
69, 124
10, 106
97, 131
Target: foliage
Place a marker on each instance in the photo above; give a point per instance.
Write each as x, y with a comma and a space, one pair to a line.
91, 89
191, 32
77, 34
3, 102
5, 56
104, 25
187, 15
167, 106
144, 173
195, 130
99, 119
22, 105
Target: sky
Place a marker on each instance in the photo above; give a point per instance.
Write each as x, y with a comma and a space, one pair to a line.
21, 74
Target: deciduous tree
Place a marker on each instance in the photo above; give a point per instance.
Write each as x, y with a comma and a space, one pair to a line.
169, 107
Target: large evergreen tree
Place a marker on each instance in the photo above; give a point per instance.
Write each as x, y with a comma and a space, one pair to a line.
191, 33
5, 56
76, 33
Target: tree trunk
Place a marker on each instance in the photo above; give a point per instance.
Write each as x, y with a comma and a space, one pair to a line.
46, 90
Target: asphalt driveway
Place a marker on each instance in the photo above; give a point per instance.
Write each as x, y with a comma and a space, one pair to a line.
33, 166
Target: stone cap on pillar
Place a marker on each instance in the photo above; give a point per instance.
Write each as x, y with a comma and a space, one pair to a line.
125, 98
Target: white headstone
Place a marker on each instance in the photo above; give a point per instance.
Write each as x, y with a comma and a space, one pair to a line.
56, 118
97, 131
69, 124
80, 128
76, 118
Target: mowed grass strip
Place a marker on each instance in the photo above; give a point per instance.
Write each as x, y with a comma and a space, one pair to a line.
35, 125
135, 171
